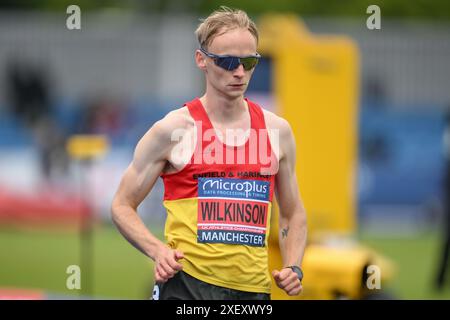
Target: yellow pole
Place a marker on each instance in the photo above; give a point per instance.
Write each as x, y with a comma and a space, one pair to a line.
84, 149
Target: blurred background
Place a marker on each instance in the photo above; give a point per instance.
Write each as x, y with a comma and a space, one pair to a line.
132, 62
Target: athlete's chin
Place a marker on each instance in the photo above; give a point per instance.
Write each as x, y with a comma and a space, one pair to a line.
236, 93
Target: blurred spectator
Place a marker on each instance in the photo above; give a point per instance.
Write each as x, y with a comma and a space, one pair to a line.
443, 266
29, 94
51, 141
103, 114
375, 149
375, 90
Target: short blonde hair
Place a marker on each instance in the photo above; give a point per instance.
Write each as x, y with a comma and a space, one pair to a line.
223, 19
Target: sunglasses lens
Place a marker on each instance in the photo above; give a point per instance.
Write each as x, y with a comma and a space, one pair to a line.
232, 63
228, 63
249, 63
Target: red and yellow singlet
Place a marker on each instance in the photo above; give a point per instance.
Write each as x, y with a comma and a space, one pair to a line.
219, 206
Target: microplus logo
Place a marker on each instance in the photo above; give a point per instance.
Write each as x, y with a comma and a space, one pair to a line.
246, 186
234, 188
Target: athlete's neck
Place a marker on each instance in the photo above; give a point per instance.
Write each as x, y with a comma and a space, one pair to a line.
222, 109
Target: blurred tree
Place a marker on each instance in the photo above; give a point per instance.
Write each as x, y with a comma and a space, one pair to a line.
442, 274
57, 5
389, 8
419, 9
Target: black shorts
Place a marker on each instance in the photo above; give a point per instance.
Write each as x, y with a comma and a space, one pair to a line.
185, 287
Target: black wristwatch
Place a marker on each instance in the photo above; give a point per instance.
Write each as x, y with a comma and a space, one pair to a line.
298, 271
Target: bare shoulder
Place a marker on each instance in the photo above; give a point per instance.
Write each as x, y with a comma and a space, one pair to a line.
274, 121
280, 134
163, 128
176, 119
157, 141
180, 117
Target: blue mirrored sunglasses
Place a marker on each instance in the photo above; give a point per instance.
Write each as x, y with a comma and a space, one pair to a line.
231, 62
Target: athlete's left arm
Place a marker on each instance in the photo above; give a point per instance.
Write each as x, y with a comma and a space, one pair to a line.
292, 215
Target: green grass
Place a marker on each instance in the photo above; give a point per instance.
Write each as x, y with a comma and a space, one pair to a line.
39, 259
416, 260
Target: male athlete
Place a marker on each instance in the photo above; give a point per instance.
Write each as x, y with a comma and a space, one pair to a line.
221, 158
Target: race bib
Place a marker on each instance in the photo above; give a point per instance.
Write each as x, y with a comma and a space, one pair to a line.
232, 211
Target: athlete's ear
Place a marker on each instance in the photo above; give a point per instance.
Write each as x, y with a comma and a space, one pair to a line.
200, 59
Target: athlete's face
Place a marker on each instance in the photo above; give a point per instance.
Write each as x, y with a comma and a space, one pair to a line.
236, 42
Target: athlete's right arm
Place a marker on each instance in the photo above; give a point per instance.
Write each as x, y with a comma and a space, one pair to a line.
139, 178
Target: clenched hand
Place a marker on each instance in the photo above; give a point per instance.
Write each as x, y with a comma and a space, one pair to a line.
166, 264
287, 280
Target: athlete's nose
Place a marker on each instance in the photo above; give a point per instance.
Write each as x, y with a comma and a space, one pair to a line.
239, 71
